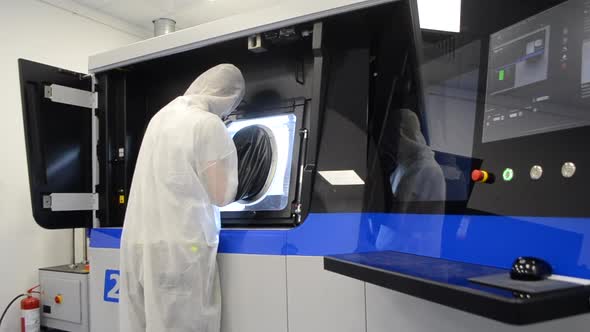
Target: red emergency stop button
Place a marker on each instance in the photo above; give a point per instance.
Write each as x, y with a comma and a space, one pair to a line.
480, 176
59, 299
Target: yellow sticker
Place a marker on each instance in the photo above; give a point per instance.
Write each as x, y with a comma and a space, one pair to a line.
194, 249
121, 199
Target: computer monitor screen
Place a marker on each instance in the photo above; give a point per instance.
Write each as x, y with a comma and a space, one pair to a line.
538, 77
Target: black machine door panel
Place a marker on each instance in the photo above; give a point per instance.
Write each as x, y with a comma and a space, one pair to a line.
57, 119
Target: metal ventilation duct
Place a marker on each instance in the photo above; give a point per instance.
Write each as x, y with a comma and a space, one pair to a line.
163, 26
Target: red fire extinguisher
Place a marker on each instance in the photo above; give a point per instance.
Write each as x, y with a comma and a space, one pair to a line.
30, 308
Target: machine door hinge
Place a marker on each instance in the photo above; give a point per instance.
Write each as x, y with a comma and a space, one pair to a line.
70, 202
70, 96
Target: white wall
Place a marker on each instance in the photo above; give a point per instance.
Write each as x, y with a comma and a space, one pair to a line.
39, 32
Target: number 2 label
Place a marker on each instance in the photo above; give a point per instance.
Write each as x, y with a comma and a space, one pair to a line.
111, 285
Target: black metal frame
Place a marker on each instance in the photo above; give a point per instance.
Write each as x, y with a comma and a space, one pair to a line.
112, 168
287, 216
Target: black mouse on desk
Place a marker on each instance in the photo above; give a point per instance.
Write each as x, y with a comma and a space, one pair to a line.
530, 269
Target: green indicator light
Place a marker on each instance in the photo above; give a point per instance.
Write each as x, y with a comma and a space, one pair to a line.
508, 174
501, 74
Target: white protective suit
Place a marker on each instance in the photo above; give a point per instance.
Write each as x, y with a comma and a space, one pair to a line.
417, 178
187, 165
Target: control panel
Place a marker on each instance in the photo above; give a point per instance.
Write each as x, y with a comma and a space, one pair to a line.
530, 151
568, 170
546, 186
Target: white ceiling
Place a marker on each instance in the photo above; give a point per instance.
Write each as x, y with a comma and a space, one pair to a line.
136, 16
186, 13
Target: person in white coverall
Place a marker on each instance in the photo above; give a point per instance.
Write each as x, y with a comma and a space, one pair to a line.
186, 168
417, 178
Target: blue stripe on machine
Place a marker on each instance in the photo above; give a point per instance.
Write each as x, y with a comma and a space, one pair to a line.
108, 238
253, 242
486, 240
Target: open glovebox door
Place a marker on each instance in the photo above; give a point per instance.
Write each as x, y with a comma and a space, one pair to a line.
57, 115
269, 145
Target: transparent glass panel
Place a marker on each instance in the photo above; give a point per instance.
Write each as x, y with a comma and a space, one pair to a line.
491, 118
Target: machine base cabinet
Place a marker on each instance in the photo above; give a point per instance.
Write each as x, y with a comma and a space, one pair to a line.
389, 310
64, 298
254, 293
277, 293
104, 289
323, 301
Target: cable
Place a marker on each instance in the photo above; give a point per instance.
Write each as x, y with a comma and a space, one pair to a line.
9, 305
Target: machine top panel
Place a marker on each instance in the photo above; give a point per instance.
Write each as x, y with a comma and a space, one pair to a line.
243, 25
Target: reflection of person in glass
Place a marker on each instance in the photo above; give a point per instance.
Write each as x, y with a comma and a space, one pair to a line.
415, 178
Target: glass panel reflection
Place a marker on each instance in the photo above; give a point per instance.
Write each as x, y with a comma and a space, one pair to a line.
510, 91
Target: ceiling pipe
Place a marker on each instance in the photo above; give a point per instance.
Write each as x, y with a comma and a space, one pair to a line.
163, 26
